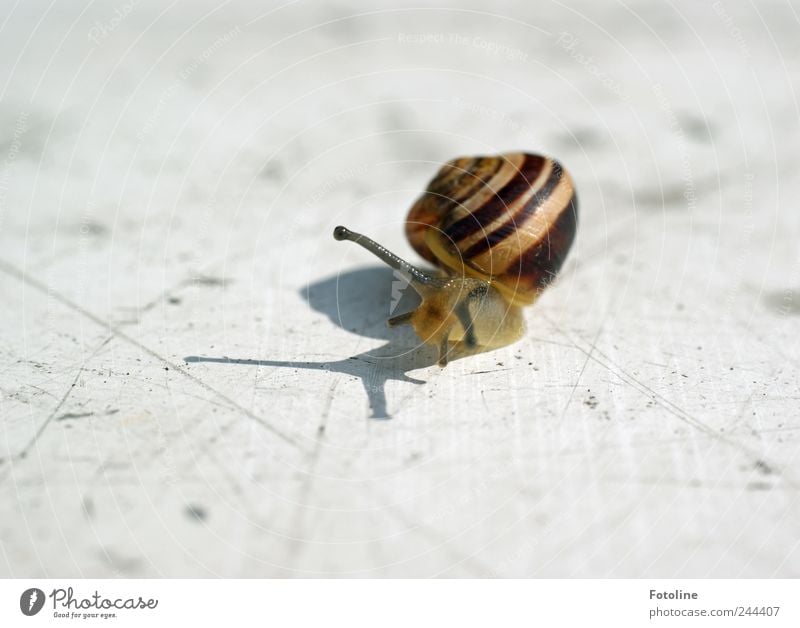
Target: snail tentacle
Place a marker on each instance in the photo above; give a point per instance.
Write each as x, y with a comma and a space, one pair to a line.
384, 254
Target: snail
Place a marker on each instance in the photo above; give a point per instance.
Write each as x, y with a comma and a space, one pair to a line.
498, 228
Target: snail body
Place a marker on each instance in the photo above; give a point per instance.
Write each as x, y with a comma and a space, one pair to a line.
498, 228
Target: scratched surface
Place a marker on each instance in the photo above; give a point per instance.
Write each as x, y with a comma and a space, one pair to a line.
197, 379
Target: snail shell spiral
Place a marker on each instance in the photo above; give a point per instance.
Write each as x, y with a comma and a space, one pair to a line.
508, 219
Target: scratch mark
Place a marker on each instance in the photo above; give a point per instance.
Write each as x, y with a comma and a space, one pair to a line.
74, 415
489, 371
483, 399
583, 368
11, 270
208, 281
668, 405
299, 518
24, 452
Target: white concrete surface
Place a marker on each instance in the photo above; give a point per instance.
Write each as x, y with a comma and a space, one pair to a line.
171, 174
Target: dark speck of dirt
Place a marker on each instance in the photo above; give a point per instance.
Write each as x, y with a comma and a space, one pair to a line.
591, 402
273, 171
74, 415
696, 127
196, 513
174, 300
660, 197
582, 137
763, 467
415, 455
93, 228
208, 281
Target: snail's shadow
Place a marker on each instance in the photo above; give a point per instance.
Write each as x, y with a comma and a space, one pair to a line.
360, 301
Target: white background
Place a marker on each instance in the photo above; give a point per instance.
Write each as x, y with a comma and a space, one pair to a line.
171, 175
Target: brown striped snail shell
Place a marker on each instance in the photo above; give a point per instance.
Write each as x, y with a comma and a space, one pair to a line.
500, 229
